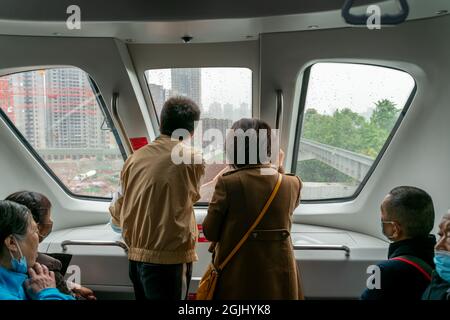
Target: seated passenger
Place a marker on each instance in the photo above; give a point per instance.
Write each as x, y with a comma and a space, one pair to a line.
407, 218
439, 289
19, 239
155, 207
40, 208
264, 267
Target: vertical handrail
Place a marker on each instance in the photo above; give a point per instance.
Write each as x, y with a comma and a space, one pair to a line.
279, 118
115, 111
280, 106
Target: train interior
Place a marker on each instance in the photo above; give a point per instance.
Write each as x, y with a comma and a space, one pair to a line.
359, 110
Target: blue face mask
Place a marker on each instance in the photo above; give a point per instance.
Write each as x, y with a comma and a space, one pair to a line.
442, 262
19, 265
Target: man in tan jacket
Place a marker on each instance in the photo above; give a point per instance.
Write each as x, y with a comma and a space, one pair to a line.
155, 208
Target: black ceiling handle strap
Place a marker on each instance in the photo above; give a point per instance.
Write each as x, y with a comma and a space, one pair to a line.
386, 19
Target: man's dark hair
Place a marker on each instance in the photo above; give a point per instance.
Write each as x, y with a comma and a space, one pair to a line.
14, 220
179, 113
413, 209
36, 202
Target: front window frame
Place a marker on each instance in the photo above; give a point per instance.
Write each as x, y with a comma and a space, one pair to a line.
103, 108
198, 204
299, 126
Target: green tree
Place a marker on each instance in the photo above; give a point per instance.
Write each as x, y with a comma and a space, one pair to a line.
346, 129
385, 115
341, 130
372, 140
349, 130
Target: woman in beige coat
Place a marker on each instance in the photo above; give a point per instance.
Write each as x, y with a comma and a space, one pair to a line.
265, 266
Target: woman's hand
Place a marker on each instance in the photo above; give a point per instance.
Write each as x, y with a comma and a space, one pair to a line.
221, 172
214, 180
85, 293
281, 156
40, 278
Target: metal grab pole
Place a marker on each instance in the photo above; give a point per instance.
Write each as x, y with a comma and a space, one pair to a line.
120, 244
323, 247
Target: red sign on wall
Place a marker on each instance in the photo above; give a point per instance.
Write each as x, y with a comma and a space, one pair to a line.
192, 296
138, 142
201, 236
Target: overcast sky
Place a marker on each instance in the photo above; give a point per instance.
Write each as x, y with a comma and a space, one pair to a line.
332, 86
335, 86
223, 85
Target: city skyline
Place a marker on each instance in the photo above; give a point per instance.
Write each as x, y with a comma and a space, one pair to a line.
58, 114
54, 108
222, 85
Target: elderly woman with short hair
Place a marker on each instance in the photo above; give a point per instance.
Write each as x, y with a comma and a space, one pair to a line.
439, 288
41, 209
21, 278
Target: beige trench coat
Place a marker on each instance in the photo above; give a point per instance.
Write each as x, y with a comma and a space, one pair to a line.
265, 266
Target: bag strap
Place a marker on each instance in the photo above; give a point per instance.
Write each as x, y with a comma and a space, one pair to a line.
261, 215
417, 263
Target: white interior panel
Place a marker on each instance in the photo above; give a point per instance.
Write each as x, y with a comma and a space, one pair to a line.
417, 155
325, 274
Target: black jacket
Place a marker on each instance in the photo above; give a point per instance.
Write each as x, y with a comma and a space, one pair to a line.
439, 289
399, 280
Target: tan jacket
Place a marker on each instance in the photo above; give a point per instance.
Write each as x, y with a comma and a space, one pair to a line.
155, 210
265, 266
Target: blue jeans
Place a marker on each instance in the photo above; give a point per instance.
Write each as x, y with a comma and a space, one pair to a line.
160, 281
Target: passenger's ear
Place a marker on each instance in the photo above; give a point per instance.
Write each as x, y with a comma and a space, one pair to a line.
11, 244
396, 231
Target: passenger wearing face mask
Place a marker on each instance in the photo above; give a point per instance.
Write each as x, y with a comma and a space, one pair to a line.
407, 218
40, 208
21, 277
439, 289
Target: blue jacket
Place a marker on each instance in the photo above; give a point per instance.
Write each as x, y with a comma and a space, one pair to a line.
439, 289
11, 288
